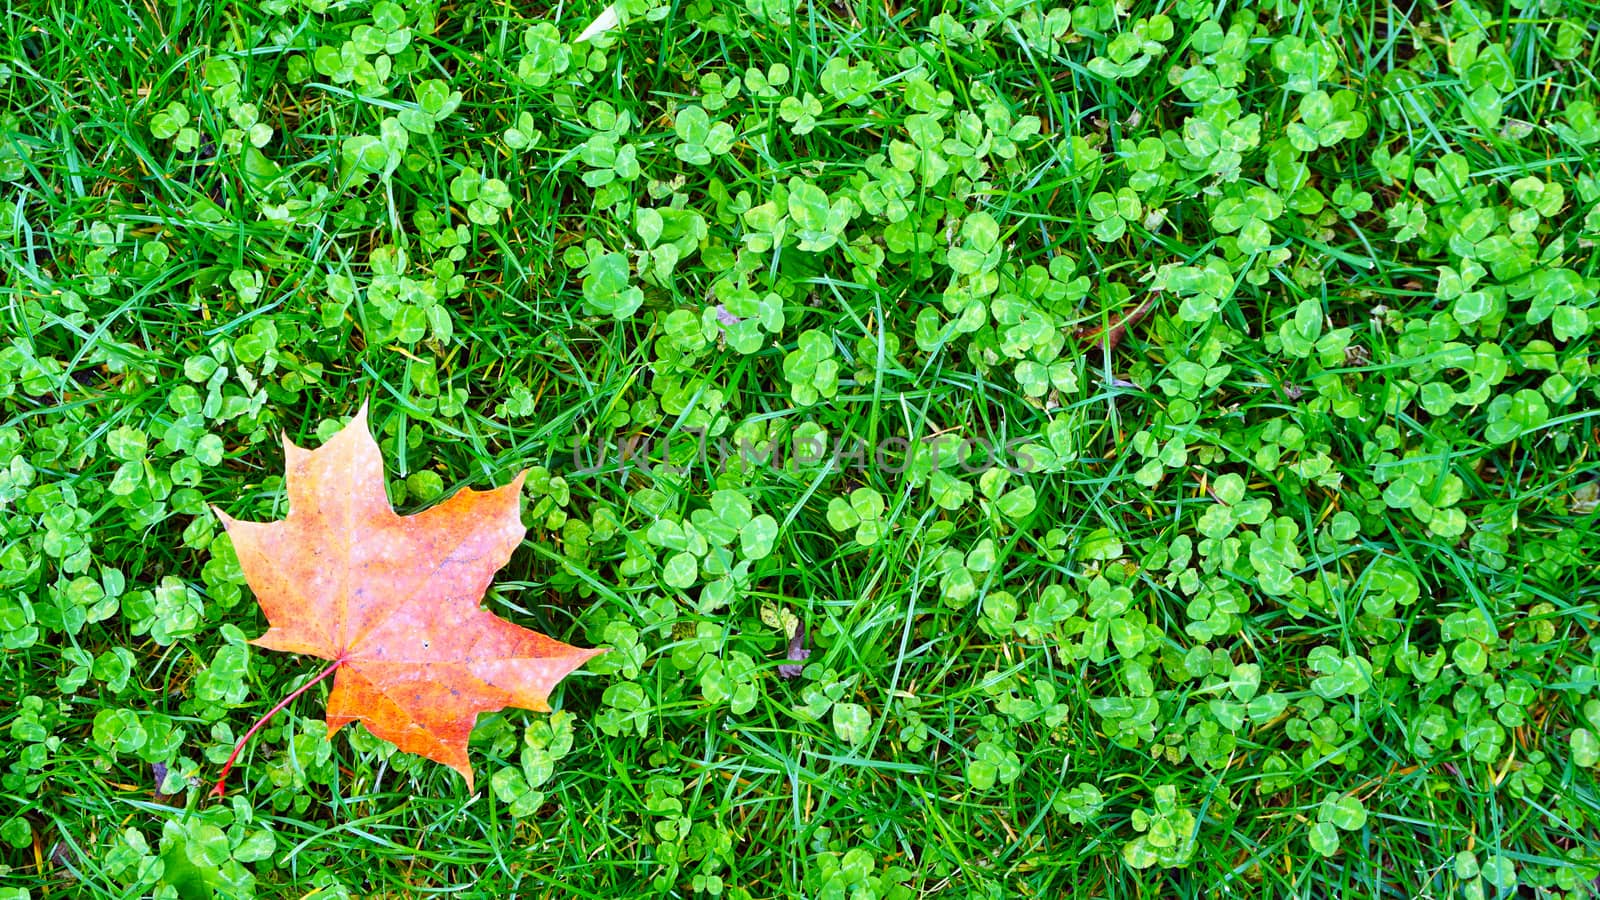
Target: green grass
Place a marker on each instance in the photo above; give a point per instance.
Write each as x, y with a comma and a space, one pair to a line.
1292, 591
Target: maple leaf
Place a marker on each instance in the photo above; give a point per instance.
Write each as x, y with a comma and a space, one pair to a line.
393, 601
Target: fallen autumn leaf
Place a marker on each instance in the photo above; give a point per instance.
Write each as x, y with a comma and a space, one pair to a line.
393, 601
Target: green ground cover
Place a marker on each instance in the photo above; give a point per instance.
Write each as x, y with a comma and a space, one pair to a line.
1174, 427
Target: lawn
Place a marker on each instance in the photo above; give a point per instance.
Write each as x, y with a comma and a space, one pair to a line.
1128, 449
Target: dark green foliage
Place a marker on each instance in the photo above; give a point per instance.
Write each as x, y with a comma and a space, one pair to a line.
804, 314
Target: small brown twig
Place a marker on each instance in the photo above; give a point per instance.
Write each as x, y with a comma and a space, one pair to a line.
1113, 334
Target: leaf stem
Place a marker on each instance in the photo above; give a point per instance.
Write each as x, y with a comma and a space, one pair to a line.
222, 779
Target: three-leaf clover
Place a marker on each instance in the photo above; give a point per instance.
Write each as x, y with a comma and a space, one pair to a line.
1326, 120
863, 511
435, 103
699, 138
486, 199
1248, 215
172, 123
811, 370
1113, 212
547, 56
818, 224
800, 112
1129, 52
607, 289
1334, 814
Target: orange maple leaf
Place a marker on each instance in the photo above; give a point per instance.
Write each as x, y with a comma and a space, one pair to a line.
393, 601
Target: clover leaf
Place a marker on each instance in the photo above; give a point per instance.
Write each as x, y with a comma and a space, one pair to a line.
862, 511
1113, 212
818, 224
606, 288
811, 370
699, 138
